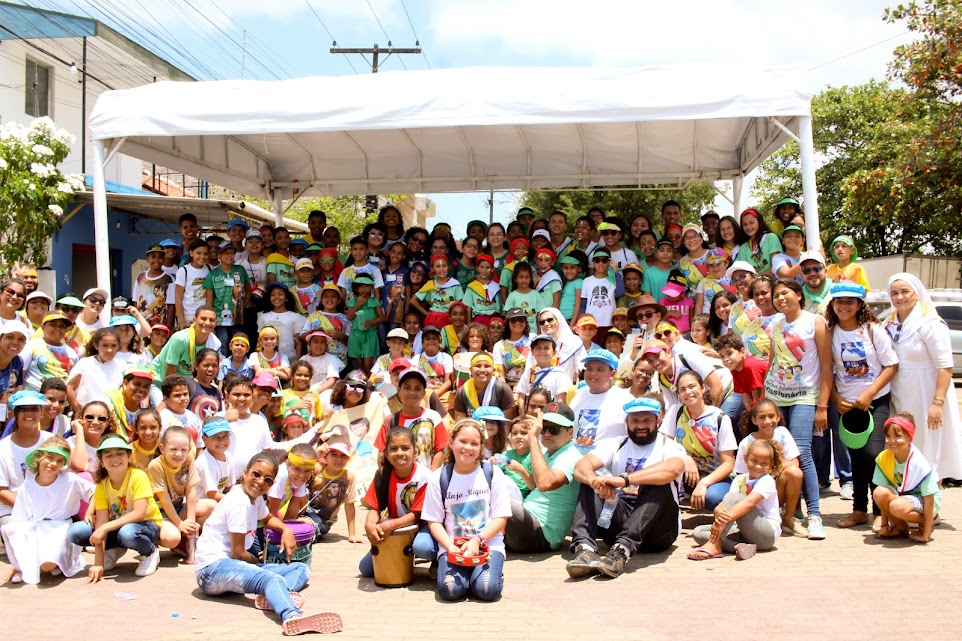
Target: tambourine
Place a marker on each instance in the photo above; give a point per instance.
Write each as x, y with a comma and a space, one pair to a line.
457, 558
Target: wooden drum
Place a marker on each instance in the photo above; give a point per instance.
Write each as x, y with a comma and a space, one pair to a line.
394, 559
303, 535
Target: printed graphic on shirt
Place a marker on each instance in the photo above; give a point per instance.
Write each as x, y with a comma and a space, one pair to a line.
407, 494
632, 465
599, 297
854, 361
423, 430
587, 421
469, 517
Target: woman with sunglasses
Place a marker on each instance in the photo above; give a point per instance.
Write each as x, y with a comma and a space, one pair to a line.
570, 350
350, 392
511, 352
13, 294
744, 310
375, 234
641, 376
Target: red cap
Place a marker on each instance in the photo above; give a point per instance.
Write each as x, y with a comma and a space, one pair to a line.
484, 258
546, 250
399, 363
438, 257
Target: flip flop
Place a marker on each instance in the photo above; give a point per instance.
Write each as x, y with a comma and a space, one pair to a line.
701, 554
323, 622
745, 551
260, 601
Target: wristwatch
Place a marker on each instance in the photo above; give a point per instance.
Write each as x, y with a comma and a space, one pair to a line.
624, 477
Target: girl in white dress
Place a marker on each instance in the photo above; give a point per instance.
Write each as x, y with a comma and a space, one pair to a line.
923, 384
36, 536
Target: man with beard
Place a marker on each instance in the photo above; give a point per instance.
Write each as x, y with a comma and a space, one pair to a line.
817, 284
645, 480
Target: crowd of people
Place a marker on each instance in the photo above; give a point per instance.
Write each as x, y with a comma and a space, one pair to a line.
539, 382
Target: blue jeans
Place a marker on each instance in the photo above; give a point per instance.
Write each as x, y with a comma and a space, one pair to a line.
826, 448
425, 547
275, 581
139, 537
800, 421
485, 581
733, 406
714, 494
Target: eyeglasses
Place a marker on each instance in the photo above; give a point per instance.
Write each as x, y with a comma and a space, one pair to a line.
356, 388
646, 315
99, 302
375, 233
644, 374
517, 320
664, 334
610, 232
601, 259
553, 430
547, 321
741, 278
90, 418
495, 327
812, 270
12, 293
268, 480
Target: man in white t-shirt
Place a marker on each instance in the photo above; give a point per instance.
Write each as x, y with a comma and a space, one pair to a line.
670, 365
598, 406
643, 485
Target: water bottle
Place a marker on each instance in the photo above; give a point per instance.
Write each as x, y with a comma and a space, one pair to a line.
604, 519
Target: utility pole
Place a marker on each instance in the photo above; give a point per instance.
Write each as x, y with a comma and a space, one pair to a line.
370, 201
490, 207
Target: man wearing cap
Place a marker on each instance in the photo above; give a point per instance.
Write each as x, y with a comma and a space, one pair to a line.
525, 217
541, 521
483, 389
236, 231
647, 470
149, 293
47, 356
181, 350
816, 284
670, 365
598, 407
430, 433
226, 288
430, 400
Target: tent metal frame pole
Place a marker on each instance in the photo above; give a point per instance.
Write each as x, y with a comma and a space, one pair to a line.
737, 196
101, 225
806, 144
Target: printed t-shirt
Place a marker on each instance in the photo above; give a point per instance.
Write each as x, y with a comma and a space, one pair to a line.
136, 486
704, 437
768, 506
781, 436
192, 280
215, 475
405, 495
598, 416
623, 456
227, 288
234, 514
599, 297
176, 483
858, 357
13, 465
284, 491
329, 491
430, 434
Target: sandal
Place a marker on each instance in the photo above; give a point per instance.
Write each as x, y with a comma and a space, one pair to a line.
853, 519
260, 601
745, 551
889, 532
322, 622
877, 524
701, 554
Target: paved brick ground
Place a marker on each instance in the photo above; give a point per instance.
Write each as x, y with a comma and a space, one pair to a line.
849, 586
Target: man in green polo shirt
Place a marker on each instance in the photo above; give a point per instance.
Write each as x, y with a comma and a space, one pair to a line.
540, 523
177, 356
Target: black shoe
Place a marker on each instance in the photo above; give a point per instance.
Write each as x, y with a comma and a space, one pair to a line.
613, 563
583, 563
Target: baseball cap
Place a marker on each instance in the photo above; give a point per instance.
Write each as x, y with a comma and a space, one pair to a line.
412, 371
253, 233
488, 413
484, 258
642, 404
586, 320
847, 290
399, 363
96, 290
126, 319
15, 327
39, 294
303, 263
739, 266
265, 380
544, 337
120, 303
339, 446
514, 312
602, 356
559, 413
672, 289
543, 233
140, 371
812, 254
238, 222
161, 328
430, 329
656, 347
397, 332
299, 241
632, 267
154, 248
225, 246
56, 316
215, 425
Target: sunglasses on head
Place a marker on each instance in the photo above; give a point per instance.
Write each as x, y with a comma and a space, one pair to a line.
268, 480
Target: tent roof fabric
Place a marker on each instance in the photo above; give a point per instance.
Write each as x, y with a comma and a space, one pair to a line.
460, 129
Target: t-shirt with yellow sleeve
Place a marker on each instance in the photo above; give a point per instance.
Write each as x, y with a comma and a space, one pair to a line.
175, 482
120, 501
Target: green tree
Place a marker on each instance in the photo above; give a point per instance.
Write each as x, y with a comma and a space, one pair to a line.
624, 203
855, 130
33, 191
347, 213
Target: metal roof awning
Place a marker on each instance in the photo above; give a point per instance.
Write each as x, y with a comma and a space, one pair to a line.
211, 213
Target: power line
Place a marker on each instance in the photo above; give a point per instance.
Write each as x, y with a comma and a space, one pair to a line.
239, 46
848, 55
333, 39
417, 40
384, 31
254, 41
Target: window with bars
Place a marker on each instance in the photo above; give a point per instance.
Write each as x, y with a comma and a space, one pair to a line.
37, 90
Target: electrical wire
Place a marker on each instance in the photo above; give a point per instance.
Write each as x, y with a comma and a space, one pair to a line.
384, 31
866, 48
333, 39
417, 40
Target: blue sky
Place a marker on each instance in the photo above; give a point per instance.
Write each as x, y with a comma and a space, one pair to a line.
840, 42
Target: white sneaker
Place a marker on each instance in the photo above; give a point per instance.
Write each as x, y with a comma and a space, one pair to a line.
111, 557
846, 492
148, 564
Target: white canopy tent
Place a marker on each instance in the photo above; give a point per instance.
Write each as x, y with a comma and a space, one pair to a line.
456, 130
